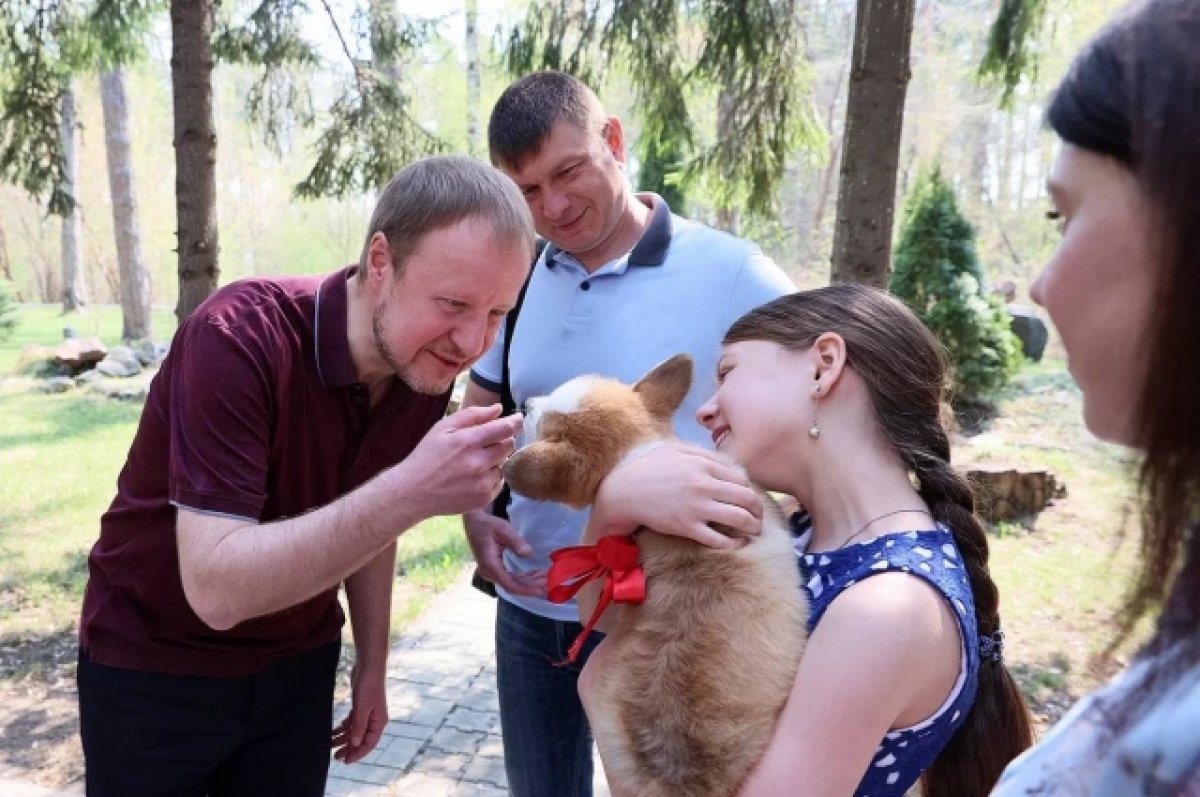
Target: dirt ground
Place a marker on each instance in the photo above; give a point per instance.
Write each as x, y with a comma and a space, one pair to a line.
39, 726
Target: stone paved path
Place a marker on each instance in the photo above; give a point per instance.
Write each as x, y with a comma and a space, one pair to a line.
443, 739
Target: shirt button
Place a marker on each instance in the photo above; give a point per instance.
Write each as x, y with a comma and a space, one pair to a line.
587, 286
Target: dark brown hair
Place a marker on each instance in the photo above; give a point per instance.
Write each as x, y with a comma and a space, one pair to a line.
528, 109
904, 369
1134, 94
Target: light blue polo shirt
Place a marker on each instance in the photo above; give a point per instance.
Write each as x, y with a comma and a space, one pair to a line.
678, 290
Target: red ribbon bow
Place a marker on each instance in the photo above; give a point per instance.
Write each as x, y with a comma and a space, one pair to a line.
614, 559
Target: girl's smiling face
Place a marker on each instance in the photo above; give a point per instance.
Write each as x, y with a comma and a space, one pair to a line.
763, 400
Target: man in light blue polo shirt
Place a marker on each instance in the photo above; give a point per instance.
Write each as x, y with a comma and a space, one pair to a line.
622, 285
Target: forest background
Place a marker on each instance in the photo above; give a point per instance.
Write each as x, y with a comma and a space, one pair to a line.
996, 158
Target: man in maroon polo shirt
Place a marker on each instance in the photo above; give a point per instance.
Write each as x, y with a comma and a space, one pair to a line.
291, 435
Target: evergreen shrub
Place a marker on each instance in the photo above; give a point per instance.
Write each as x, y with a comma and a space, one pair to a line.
937, 273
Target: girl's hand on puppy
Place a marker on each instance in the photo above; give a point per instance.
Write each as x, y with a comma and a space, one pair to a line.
680, 490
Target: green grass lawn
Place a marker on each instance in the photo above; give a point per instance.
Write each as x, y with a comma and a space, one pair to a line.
59, 460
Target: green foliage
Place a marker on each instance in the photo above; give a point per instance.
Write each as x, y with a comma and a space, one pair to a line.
117, 29
371, 136
270, 38
372, 133
8, 309
1012, 46
749, 49
752, 53
661, 164
937, 274
36, 57
42, 45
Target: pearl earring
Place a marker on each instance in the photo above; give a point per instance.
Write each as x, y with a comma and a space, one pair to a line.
815, 431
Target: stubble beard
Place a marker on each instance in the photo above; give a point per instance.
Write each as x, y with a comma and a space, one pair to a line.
405, 372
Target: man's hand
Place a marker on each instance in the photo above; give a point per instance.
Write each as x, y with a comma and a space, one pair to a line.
681, 490
358, 734
488, 537
456, 466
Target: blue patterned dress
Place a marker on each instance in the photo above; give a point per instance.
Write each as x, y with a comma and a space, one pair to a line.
903, 753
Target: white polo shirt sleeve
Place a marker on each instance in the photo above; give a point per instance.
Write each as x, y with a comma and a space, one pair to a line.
758, 281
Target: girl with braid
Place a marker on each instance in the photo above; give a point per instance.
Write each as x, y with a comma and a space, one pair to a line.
1123, 289
836, 396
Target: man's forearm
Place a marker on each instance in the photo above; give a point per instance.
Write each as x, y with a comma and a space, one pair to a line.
237, 571
369, 595
233, 570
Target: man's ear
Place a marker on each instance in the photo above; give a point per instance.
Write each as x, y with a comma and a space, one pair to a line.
614, 138
553, 471
663, 389
379, 259
829, 353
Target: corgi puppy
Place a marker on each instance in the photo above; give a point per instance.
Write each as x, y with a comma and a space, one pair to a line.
689, 684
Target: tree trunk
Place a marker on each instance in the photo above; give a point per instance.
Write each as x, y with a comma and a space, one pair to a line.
1004, 492
1048, 152
134, 281
1028, 140
5, 263
472, 44
727, 219
825, 181
1004, 177
871, 143
74, 295
195, 152
977, 136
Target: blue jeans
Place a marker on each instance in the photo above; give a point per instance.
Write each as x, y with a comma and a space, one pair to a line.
547, 741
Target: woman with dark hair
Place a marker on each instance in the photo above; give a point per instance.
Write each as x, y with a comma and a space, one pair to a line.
836, 397
1123, 289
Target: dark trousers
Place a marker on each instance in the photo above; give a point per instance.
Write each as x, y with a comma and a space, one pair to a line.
547, 741
155, 735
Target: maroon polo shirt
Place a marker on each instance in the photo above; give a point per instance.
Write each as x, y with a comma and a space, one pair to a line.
256, 413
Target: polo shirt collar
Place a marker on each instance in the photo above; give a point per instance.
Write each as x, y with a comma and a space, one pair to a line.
651, 248
335, 366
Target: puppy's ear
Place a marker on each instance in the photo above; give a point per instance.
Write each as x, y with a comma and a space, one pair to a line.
664, 388
553, 471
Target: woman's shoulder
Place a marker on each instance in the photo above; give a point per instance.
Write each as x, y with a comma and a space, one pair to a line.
1156, 751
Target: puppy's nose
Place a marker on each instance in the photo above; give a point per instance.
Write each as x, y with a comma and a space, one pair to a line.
530, 409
